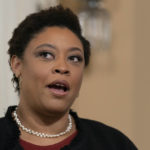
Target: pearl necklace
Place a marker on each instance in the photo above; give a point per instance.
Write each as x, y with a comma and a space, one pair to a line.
43, 135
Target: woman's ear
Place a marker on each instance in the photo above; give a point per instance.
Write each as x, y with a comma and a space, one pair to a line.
16, 65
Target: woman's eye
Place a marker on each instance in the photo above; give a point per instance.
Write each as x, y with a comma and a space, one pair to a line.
76, 59
46, 55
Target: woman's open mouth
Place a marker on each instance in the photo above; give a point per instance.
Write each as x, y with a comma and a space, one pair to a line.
59, 87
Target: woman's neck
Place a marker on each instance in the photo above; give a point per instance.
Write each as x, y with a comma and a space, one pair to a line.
49, 123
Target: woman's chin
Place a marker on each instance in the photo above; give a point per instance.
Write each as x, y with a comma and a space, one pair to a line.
55, 110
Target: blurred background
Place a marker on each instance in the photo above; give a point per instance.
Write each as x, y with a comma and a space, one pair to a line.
116, 85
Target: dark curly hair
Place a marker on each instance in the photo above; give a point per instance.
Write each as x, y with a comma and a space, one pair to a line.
36, 22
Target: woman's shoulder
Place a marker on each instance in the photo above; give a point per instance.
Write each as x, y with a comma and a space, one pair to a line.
2, 122
7, 124
97, 127
3, 130
103, 135
107, 133
4, 119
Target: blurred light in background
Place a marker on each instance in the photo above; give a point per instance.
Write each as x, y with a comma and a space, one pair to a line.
94, 19
43, 4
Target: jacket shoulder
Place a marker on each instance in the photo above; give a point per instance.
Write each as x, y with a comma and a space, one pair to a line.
2, 122
3, 126
107, 134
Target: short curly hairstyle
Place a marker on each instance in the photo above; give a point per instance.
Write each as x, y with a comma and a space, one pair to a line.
35, 23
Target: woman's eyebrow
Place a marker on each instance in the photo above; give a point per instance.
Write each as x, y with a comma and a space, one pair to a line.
75, 49
54, 47
46, 45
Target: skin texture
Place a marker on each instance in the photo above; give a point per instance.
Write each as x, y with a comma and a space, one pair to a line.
54, 54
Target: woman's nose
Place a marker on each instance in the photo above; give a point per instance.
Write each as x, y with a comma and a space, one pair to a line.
60, 67
61, 71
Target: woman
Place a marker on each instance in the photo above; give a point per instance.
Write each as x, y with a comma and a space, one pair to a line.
48, 55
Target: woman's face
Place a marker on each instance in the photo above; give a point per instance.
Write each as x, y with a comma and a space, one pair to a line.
51, 70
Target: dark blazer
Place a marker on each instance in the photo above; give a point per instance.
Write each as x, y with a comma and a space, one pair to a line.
92, 135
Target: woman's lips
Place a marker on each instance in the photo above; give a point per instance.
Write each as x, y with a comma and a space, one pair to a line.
59, 88
58, 92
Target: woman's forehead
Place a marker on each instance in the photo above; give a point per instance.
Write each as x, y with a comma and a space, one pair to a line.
58, 36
